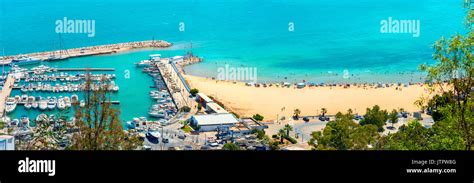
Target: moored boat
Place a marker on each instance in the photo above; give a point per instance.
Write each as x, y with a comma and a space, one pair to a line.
10, 104
52, 103
43, 104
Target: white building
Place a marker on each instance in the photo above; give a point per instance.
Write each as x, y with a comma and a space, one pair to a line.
7, 142
215, 108
210, 122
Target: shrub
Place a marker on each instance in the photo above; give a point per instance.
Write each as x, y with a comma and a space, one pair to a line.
258, 117
194, 91
235, 114
260, 134
231, 147
199, 107
185, 109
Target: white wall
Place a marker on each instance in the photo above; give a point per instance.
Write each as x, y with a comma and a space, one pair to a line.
7, 143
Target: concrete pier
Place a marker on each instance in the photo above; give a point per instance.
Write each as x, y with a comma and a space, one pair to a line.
89, 51
6, 90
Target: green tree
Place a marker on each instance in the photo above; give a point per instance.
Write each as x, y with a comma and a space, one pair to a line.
258, 117
281, 134
455, 65
323, 111
393, 117
296, 113
231, 147
375, 116
344, 134
409, 137
194, 91
98, 122
288, 128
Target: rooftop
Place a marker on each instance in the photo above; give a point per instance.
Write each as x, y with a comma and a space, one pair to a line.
5, 137
204, 97
215, 119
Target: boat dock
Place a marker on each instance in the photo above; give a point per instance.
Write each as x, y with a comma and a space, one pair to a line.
6, 90
176, 84
90, 51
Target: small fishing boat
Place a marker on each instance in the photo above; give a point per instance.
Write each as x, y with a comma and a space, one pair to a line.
82, 103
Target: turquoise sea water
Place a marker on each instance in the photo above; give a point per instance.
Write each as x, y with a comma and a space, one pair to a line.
329, 37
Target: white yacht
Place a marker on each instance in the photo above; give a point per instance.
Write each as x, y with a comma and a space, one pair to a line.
10, 104
61, 103
67, 101
52, 103
82, 103
43, 104
24, 60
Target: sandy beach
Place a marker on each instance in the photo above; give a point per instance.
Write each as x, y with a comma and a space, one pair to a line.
269, 101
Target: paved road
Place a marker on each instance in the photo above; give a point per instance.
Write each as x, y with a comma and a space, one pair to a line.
305, 129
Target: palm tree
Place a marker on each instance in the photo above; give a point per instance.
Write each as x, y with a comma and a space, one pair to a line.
401, 110
288, 128
324, 111
349, 111
282, 134
296, 113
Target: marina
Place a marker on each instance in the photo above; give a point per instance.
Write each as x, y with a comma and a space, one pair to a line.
49, 89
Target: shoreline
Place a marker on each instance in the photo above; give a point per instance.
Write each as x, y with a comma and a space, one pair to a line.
273, 101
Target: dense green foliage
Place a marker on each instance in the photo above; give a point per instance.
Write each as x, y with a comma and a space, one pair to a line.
194, 91
231, 147
375, 116
258, 117
344, 134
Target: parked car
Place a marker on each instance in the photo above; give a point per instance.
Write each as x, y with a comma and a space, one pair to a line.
306, 119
